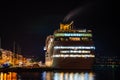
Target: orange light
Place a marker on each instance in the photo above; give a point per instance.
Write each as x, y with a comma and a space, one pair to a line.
74, 38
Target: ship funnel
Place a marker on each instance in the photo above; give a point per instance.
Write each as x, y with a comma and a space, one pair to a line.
66, 26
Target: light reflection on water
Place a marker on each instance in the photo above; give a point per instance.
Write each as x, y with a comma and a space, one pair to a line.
59, 75
8, 76
69, 76
46, 75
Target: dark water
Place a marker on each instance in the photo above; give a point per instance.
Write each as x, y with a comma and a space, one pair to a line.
62, 75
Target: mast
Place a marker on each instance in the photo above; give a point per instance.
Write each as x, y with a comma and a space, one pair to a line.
0, 43
18, 51
13, 53
14, 47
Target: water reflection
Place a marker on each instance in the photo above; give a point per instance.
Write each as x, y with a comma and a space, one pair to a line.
8, 76
69, 76
53, 75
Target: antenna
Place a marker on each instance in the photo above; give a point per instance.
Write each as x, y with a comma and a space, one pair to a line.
18, 49
13, 53
0, 43
14, 47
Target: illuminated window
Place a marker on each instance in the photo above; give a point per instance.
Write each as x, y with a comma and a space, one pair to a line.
61, 39
65, 55
74, 47
85, 38
74, 38
73, 34
74, 51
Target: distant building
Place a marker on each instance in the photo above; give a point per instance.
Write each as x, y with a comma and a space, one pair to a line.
107, 60
7, 56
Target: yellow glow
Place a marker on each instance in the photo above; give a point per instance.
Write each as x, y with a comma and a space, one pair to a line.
74, 38
48, 62
4, 76
66, 26
8, 76
61, 76
1, 76
91, 76
48, 76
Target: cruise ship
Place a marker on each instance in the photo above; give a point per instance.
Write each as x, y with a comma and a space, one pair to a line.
70, 48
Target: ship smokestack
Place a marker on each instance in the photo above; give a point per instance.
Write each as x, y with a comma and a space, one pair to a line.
68, 26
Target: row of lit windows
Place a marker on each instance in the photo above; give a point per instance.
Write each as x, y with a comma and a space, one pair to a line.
78, 39
74, 47
73, 34
72, 39
74, 31
74, 51
63, 55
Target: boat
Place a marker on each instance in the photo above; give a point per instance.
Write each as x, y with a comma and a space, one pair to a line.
70, 48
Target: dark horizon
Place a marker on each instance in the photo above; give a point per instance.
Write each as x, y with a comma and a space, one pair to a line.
29, 23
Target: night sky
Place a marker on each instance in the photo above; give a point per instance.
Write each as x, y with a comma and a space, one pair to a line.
28, 23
